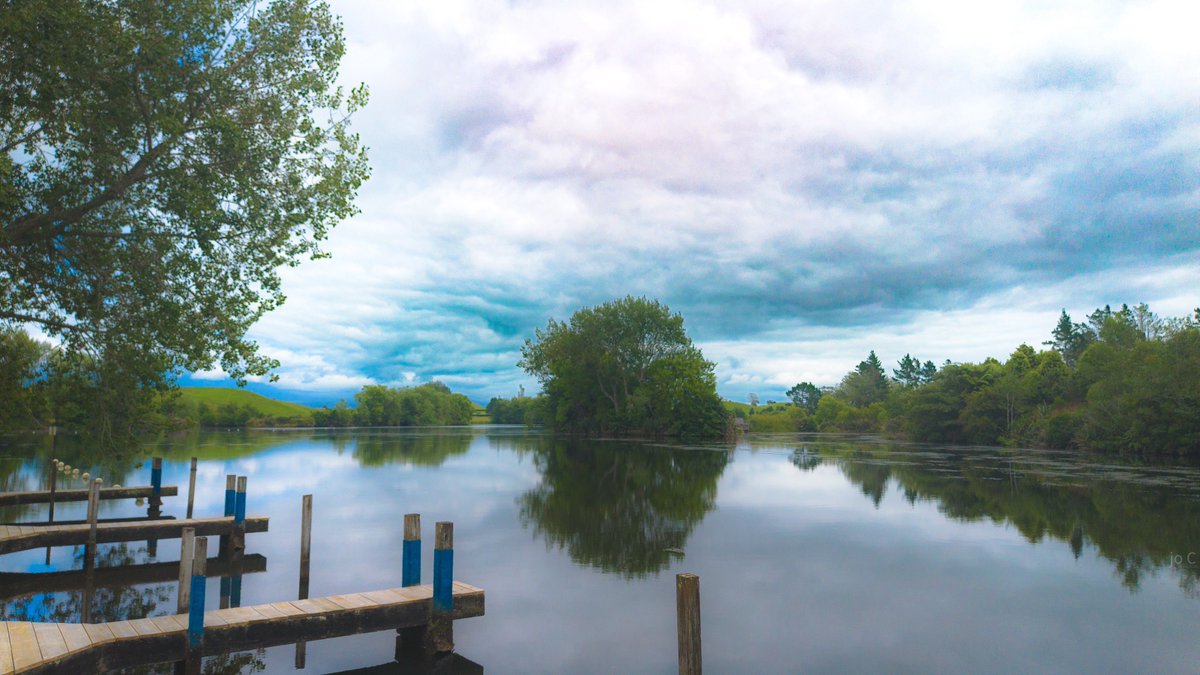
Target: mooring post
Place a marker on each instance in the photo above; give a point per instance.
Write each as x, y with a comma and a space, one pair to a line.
238, 540
230, 501
156, 480
53, 488
687, 607
191, 489
305, 542
195, 643
187, 550
89, 555
439, 636
410, 566
305, 550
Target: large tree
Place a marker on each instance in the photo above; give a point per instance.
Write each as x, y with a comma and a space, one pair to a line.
625, 366
161, 161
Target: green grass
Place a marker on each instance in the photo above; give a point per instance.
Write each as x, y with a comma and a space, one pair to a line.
262, 406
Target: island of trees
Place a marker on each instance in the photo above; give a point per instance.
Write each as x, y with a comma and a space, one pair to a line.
625, 367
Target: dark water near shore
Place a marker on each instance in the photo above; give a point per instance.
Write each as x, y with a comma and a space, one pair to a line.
815, 554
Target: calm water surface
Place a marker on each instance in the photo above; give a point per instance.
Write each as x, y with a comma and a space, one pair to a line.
815, 554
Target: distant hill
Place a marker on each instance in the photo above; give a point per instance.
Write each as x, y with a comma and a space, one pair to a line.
222, 403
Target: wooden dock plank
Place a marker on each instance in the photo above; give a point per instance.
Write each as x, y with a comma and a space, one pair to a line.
386, 597
31, 646
121, 629
99, 633
6, 655
15, 539
352, 600
26, 653
50, 640
238, 615
60, 496
268, 612
286, 608
170, 623
144, 627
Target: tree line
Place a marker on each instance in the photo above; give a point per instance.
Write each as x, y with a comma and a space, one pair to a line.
1123, 381
430, 404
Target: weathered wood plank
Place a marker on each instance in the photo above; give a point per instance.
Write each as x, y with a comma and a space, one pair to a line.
75, 636
59, 496
144, 627
74, 535
50, 640
99, 633
236, 615
6, 655
26, 653
170, 623
387, 597
213, 618
351, 600
121, 629
286, 608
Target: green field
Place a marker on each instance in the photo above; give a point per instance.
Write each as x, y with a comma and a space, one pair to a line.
215, 397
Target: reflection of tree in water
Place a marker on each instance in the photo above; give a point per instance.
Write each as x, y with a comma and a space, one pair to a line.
1137, 525
220, 664
806, 458
109, 603
621, 507
421, 449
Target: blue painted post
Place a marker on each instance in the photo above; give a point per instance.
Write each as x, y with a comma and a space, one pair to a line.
230, 493
235, 591
195, 632
156, 480
410, 568
439, 637
237, 540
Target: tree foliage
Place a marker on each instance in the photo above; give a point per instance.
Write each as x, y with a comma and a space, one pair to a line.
1124, 381
160, 163
626, 366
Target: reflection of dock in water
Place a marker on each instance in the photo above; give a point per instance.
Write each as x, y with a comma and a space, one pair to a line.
450, 664
74, 648
14, 584
23, 537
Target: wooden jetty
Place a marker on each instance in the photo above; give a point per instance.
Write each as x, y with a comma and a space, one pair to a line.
27, 647
15, 584
20, 538
57, 496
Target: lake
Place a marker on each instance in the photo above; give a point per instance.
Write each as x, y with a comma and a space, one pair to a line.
815, 553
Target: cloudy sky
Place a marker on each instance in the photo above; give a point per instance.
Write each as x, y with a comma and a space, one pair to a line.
802, 181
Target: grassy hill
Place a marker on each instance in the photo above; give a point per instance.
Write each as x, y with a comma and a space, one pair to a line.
220, 401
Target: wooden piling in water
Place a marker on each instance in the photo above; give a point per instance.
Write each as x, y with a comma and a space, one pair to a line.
187, 552
687, 608
439, 635
305, 543
305, 557
410, 566
89, 554
195, 632
191, 489
230, 501
156, 480
237, 537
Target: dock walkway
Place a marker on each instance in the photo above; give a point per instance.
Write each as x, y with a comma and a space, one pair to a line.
27, 647
58, 496
24, 537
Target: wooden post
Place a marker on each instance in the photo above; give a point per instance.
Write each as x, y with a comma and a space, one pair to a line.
53, 489
305, 542
410, 566
156, 480
238, 540
230, 501
305, 557
191, 489
187, 551
195, 632
89, 555
687, 607
439, 636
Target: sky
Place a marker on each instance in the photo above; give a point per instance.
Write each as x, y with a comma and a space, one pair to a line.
803, 181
